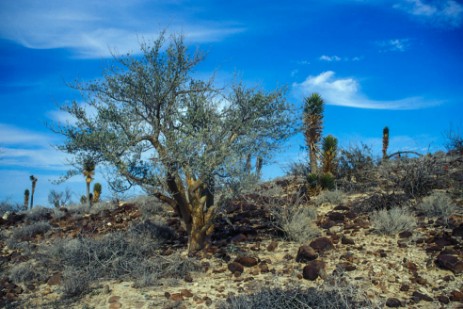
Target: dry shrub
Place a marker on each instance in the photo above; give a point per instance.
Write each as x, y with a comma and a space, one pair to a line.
332, 197
29, 231
392, 221
438, 204
25, 272
379, 201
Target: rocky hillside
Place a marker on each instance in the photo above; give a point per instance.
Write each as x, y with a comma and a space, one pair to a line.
392, 239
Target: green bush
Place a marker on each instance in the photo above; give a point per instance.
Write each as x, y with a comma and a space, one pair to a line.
327, 181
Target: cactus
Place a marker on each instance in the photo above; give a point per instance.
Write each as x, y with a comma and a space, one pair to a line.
385, 142
34, 183
330, 148
313, 125
26, 198
96, 192
327, 181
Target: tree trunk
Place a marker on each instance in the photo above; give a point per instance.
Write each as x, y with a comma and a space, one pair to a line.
313, 159
89, 199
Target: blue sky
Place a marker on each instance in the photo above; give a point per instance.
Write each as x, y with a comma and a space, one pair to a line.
375, 62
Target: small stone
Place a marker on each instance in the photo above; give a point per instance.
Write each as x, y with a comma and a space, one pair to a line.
207, 300
322, 244
263, 268
114, 299
443, 299
405, 234
393, 303
417, 296
176, 297
404, 288
247, 261
272, 246
188, 278
186, 293
235, 267
313, 270
347, 241
306, 254
54, 279
456, 296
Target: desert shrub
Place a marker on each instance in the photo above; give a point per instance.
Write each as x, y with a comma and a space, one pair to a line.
454, 142
392, 221
29, 231
154, 231
38, 213
335, 197
149, 206
356, 164
25, 272
294, 298
416, 177
379, 201
7, 206
299, 224
122, 255
438, 204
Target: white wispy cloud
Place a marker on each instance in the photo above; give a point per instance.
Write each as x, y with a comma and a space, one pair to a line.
398, 45
94, 28
337, 58
441, 13
346, 92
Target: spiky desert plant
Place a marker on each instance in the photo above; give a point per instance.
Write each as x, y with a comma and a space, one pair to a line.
330, 152
88, 171
385, 142
313, 125
26, 198
34, 183
96, 192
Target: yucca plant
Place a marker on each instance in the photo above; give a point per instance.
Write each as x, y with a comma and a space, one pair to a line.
313, 125
385, 142
330, 152
96, 192
26, 198
34, 183
88, 171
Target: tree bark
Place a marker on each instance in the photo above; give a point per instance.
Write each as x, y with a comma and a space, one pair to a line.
313, 159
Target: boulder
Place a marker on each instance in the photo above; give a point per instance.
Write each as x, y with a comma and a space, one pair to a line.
322, 244
306, 254
313, 270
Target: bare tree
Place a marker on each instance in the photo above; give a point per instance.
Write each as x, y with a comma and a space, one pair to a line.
174, 135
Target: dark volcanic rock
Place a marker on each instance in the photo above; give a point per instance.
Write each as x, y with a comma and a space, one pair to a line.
456, 296
336, 216
347, 241
417, 296
393, 303
306, 254
458, 231
449, 262
313, 270
235, 267
247, 261
272, 246
405, 234
443, 299
322, 244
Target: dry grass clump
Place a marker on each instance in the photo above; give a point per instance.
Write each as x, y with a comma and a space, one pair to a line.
392, 221
25, 272
38, 213
299, 224
332, 197
299, 298
132, 255
438, 204
379, 201
29, 231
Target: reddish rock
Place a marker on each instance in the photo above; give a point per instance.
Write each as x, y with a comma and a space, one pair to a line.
336, 216
186, 293
114, 299
235, 267
456, 296
313, 270
176, 297
405, 234
393, 303
188, 278
347, 266
239, 238
247, 261
458, 231
306, 254
449, 262
263, 268
272, 246
322, 244
347, 241
54, 279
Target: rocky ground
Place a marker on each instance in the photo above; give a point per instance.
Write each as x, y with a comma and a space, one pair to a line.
418, 268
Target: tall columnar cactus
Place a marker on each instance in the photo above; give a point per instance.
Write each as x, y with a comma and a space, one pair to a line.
330, 149
89, 172
313, 125
34, 183
385, 142
96, 192
26, 198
